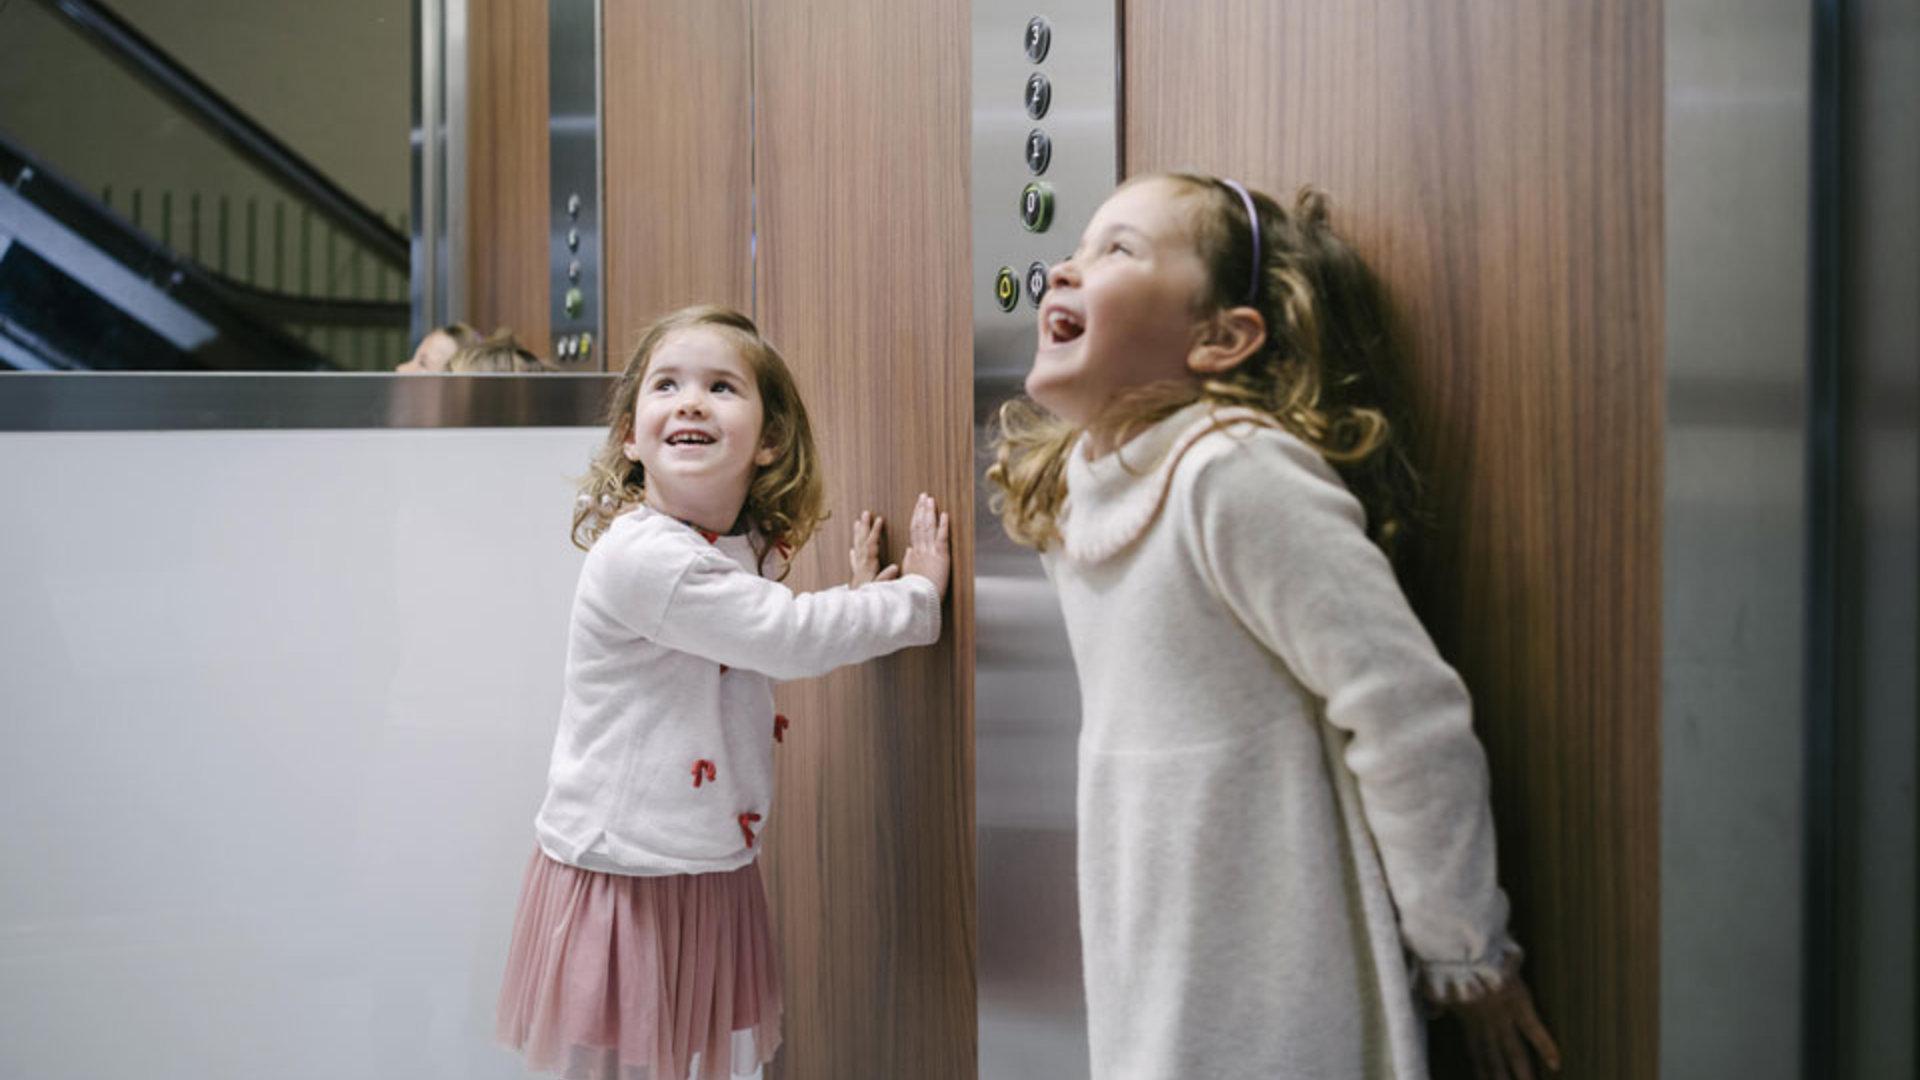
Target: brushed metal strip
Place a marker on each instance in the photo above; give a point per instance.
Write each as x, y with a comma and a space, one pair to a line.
34, 401
1032, 1004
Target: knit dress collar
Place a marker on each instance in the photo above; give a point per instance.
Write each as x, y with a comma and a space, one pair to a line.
1113, 499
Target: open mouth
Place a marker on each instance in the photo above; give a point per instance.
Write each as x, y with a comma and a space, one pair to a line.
689, 438
1061, 326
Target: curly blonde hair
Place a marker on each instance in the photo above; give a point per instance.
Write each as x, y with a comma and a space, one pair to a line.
1328, 372
784, 499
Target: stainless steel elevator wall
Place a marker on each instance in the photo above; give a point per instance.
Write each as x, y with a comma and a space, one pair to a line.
1027, 712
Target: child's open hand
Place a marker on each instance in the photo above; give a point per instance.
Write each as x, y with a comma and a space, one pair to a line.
868, 532
1499, 1028
929, 548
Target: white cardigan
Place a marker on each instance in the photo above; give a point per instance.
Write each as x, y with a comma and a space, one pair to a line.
1273, 760
664, 759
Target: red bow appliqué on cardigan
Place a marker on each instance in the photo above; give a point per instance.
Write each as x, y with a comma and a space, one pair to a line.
746, 826
703, 767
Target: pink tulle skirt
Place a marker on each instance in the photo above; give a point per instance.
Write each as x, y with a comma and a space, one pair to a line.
641, 978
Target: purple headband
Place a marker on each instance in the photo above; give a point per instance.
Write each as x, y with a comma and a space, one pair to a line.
1253, 226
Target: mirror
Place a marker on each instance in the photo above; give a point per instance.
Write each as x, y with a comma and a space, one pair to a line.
216, 187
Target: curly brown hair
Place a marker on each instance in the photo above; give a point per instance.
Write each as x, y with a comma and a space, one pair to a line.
785, 498
1329, 371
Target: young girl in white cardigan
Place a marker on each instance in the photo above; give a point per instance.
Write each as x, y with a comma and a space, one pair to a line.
642, 947
1284, 828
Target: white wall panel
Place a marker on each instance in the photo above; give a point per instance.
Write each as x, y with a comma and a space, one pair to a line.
275, 710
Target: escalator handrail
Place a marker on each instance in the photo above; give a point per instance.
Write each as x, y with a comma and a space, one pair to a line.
119, 40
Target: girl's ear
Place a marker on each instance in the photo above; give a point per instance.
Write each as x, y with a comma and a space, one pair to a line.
1229, 338
765, 455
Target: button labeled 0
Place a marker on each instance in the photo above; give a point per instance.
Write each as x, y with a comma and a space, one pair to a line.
1036, 206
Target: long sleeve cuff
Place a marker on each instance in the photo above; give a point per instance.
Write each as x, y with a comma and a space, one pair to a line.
1458, 982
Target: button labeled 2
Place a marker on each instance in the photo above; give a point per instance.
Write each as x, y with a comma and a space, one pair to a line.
1039, 95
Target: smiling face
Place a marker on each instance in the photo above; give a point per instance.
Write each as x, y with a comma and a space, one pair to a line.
1124, 311
697, 419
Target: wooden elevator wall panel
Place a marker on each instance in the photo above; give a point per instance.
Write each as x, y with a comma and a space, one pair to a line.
862, 120
678, 162
506, 226
1499, 163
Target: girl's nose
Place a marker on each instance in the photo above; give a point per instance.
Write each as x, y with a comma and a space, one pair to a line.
1063, 273
691, 400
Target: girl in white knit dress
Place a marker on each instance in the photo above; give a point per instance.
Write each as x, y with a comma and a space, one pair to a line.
1284, 832
642, 949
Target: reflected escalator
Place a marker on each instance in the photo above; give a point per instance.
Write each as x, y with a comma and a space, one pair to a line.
84, 288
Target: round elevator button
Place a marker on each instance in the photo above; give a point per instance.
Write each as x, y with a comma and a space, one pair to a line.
573, 239
1039, 151
1039, 37
575, 302
1036, 283
1039, 95
1036, 206
1006, 288
573, 206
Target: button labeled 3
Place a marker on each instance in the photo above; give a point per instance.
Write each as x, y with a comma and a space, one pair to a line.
1039, 37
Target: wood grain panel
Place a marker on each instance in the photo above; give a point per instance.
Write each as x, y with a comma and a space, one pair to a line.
679, 161
1499, 163
507, 169
861, 113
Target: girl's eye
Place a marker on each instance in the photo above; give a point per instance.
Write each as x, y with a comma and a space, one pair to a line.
1119, 247
723, 386
664, 384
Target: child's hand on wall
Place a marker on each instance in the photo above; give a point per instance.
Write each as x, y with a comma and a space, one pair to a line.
868, 532
929, 549
1500, 1026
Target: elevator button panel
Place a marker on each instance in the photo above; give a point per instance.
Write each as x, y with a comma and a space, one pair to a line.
574, 211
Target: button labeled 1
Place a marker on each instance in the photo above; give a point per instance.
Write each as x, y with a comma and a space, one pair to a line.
1036, 206
1039, 151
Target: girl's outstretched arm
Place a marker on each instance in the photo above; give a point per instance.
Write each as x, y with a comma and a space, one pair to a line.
1285, 545
675, 589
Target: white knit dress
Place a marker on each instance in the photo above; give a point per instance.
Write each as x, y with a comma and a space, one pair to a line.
1283, 815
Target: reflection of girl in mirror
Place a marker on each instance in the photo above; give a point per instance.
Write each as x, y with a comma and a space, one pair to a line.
436, 349
1284, 829
643, 946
